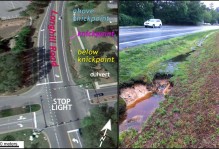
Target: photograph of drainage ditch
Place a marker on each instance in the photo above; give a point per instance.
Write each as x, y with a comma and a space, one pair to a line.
139, 99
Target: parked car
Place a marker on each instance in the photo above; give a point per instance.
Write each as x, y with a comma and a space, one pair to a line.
98, 94
153, 23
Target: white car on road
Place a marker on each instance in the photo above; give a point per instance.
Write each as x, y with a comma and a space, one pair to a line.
153, 23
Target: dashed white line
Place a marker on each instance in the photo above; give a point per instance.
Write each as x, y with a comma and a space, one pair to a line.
57, 139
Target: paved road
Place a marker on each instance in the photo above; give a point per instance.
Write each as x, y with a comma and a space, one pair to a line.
16, 122
133, 36
110, 90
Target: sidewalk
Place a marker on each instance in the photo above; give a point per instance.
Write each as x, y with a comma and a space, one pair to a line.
104, 85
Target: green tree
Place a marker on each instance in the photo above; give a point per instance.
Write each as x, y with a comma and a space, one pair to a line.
9, 138
10, 73
92, 125
207, 16
21, 40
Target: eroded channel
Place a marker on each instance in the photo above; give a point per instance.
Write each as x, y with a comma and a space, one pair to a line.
142, 99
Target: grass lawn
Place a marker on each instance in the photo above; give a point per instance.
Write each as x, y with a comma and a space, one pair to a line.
188, 117
24, 135
19, 110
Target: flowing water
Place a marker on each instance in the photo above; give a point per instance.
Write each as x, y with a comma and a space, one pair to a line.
137, 115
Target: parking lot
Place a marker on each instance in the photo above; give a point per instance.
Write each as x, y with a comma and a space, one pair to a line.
11, 9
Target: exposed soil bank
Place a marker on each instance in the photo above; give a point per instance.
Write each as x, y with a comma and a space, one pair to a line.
142, 100
135, 94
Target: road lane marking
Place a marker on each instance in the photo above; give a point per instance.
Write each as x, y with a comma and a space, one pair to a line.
57, 139
72, 130
49, 83
34, 118
73, 139
79, 139
20, 125
88, 95
70, 140
21, 118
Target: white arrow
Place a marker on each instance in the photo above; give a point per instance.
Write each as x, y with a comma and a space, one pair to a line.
57, 76
106, 127
75, 140
20, 125
21, 118
42, 30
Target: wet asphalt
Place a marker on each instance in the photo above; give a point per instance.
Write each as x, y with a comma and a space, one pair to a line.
133, 36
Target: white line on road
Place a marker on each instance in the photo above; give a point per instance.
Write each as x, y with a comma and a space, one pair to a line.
57, 139
49, 83
88, 95
79, 139
34, 119
72, 130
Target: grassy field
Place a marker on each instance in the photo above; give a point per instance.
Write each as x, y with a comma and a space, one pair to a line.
24, 135
143, 61
19, 110
188, 118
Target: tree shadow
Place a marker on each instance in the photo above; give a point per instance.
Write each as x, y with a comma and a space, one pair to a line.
36, 65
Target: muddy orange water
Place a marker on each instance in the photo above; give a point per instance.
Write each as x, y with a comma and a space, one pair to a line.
138, 113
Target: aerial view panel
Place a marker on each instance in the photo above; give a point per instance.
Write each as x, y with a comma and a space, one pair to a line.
58, 74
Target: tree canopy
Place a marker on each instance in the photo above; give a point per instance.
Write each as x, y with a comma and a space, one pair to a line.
92, 125
170, 12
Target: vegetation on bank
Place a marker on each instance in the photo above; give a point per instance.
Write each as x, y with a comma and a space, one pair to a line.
24, 135
170, 12
142, 62
188, 117
21, 40
19, 110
